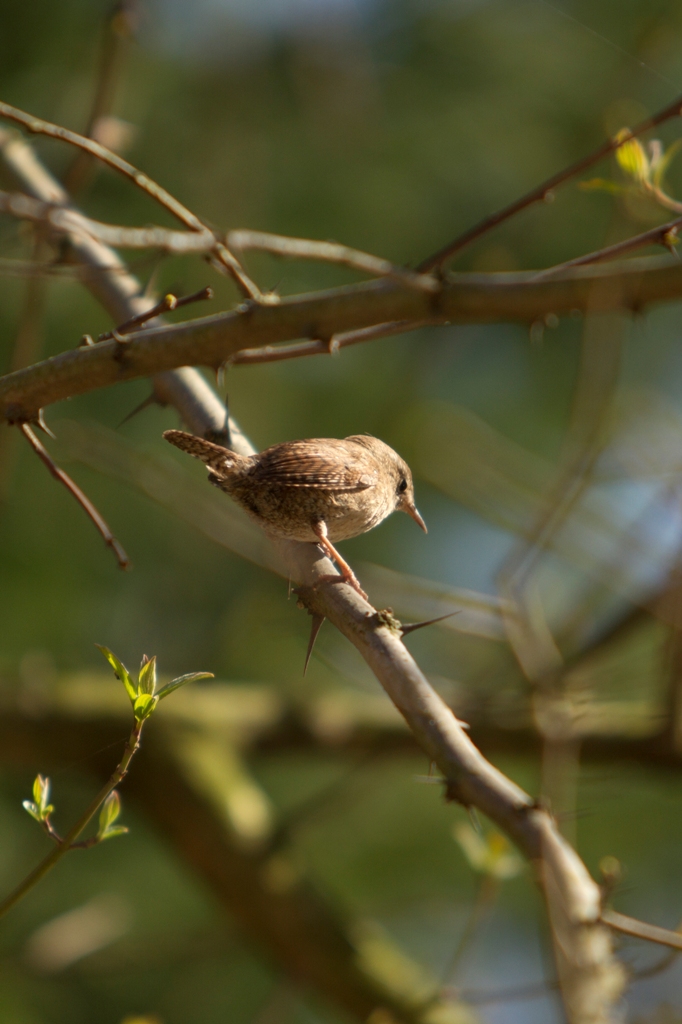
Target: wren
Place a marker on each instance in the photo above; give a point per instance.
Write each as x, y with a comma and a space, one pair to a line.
320, 490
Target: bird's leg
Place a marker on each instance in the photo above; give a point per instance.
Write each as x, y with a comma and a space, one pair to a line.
347, 575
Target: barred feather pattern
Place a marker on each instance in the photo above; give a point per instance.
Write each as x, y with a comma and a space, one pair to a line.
350, 485
217, 458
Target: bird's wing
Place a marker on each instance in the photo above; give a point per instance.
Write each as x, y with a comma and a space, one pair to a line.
323, 463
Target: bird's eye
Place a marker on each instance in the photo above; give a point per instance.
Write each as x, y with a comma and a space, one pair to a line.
402, 486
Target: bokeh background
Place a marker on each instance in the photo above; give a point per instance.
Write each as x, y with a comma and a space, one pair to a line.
389, 125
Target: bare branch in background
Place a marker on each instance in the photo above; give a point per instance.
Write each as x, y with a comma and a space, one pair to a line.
332, 252
64, 219
75, 491
665, 235
544, 192
119, 30
222, 254
121, 294
271, 354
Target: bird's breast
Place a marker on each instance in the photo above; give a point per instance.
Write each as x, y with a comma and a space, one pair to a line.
289, 512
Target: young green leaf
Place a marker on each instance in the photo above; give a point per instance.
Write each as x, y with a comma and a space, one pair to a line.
175, 684
147, 676
491, 854
32, 809
631, 157
120, 670
41, 796
41, 790
663, 163
115, 830
144, 705
39, 808
109, 812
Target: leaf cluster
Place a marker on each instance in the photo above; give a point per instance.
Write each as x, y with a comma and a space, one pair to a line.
144, 694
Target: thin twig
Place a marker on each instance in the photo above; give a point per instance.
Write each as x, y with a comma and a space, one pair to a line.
269, 354
75, 491
143, 182
544, 192
488, 889
118, 31
665, 234
165, 305
26, 350
538, 990
641, 930
72, 835
212, 341
64, 219
661, 197
481, 997
659, 967
331, 252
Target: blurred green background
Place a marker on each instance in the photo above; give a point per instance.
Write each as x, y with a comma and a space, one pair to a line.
389, 125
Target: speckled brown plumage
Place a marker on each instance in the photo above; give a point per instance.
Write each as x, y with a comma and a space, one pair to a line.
319, 490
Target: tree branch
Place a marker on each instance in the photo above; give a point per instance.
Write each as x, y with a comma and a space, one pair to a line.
119, 29
74, 490
118, 291
214, 340
331, 252
665, 234
143, 182
641, 930
66, 220
543, 192
590, 976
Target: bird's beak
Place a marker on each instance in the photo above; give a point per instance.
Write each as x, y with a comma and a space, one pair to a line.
412, 511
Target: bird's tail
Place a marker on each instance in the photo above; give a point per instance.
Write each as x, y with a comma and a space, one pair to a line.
217, 458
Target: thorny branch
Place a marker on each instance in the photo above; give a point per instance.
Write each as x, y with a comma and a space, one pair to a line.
591, 980
61, 218
165, 305
214, 340
303, 248
110, 282
221, 253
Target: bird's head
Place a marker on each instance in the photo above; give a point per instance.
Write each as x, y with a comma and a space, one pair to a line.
397, 476
404, 493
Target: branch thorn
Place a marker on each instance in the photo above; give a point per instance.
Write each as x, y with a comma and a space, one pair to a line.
40, 422
410, 627
314, 630
149, 400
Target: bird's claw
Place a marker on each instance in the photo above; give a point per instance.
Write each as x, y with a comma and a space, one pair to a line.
352, 581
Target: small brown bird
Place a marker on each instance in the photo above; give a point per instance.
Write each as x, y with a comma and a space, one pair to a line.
321, 490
